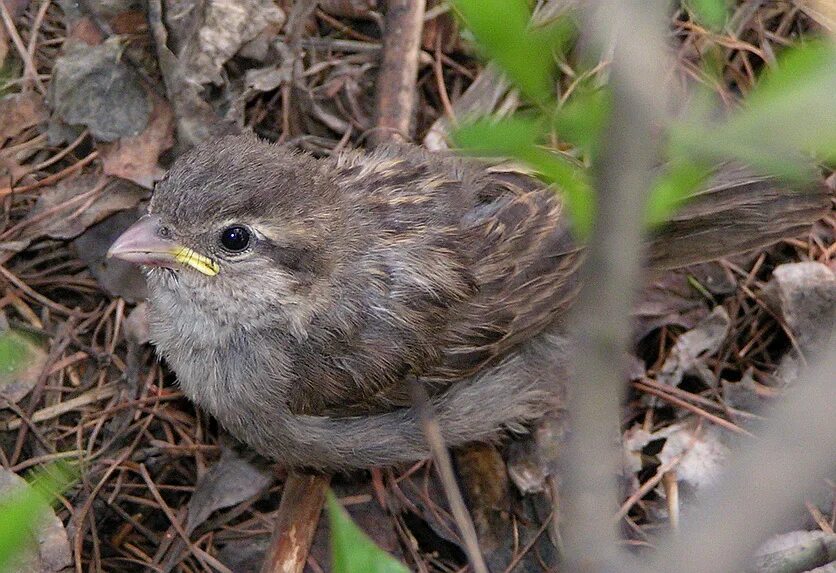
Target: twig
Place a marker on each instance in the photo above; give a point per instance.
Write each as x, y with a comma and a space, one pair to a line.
398, 71
28, 63
50, 412
296, 521
50, 179
648, 486
695, 409
441, 457
175, 522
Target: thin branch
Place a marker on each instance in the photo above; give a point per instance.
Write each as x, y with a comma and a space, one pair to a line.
441, 457
296, 522
398, 71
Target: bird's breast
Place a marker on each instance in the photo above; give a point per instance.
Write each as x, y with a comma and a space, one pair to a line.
237, 375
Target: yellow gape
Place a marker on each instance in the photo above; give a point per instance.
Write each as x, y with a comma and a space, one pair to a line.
200, 263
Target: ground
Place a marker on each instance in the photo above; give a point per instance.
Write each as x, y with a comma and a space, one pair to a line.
87, 124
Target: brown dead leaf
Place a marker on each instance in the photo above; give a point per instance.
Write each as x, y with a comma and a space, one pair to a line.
67, 209
76, 204
235, 478
680, 297
135, 158
47, 549
129, 22
119, 278
19, 112
12, 171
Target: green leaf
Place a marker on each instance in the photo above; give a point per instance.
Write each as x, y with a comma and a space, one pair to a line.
501, 28
789, 115
712, 13
582, 120
22, 358
682, 177
794, 103
502, 137
22, 509
351, 550
572, 180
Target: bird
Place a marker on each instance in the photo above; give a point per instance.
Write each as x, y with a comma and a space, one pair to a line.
298, 299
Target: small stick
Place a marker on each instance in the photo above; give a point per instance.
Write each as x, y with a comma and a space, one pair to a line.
398, 71
441, 457
671, 485
296, 521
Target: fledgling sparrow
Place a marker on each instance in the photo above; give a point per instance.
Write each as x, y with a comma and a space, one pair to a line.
296, 298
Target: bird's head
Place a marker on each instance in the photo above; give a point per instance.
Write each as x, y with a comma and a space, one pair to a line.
241, 231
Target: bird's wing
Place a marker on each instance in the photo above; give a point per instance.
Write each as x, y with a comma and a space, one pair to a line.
523, 267
525, 270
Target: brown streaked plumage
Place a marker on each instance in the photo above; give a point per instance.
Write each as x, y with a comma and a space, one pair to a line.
368, 269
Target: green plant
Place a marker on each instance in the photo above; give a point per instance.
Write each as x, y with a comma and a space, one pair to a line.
804, 80
22, 508
351, 550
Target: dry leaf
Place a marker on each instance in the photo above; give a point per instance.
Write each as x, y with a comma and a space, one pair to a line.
806, 298
225, 27
135, 158
680, 297
703, 451
19, 112
702, 448
693, 347
68, 209
804, 294
235, 478
119, 278
92, 86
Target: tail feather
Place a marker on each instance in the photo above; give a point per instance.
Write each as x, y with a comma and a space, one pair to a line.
737, 212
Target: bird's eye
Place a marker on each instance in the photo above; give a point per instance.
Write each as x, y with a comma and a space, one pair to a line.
235, 238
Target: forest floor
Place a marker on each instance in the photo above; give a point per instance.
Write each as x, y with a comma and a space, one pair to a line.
91, 115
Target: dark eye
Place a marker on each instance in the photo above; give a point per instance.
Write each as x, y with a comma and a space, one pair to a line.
235, 238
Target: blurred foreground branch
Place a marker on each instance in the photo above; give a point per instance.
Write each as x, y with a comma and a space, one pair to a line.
764, 482
601, 320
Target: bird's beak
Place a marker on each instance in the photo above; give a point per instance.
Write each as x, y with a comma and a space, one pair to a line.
143, 243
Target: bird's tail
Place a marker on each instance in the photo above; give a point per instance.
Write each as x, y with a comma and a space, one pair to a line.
737, 212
